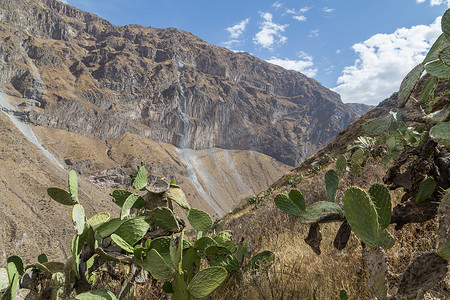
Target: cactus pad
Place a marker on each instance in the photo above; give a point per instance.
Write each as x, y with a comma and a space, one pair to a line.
177, 195
109, 227
73, 185
207, 281
133, 230
321, 211
377, 126
362, 216
15, 264
341, 163
331, 182
223, 239
159, 186
98, 219
75, 255
437, 47
122, 243
298, 199
263, 260
78, 218
203, 243
438, 69
440, 133
408, 84
381, 198
200, 220
220, 256
385, 239
60, 195
286, 204
445, 24
164, 218
157, 266
139, 181
132, 200
426, 189
42, 258
96, 295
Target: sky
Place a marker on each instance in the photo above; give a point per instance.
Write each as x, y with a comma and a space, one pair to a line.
361, 49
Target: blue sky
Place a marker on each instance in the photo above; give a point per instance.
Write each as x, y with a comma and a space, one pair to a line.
361, 49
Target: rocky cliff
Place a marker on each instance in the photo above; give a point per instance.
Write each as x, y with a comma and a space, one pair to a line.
81, 93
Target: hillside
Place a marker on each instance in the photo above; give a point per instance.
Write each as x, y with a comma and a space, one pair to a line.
80, 93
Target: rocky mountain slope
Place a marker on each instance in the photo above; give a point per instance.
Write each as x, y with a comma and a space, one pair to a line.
80, 93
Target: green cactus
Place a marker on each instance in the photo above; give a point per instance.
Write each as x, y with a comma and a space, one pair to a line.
207, 281
341, 163
426, 189
73, 186
262, 260
177, 195
60, 195
440, 133
408, 84
122, 243
139, 180
377, 126
78, 218
96, 220
298, 199
343, 295
132, 200
133, 230
190, 263
164, 218
286, 204
223, 239
438, 69
445, 24
109, 227
157, 265
381, 198
200, 220
75, 249
331, 182
321, 210
362, 216
220, 256
42, 258
58, 282
204, 242
96, 295
385, 239
437, 47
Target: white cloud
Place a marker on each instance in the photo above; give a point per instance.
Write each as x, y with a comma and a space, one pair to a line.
299, 18
327, 10
270, 32
236, 30
435, 2
293, 11
277, 5
383, 61
314, 33
338, 51
304, 65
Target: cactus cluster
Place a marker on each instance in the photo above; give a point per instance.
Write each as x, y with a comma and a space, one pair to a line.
148, 234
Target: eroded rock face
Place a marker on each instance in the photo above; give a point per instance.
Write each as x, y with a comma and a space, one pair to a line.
102, 98
101, 80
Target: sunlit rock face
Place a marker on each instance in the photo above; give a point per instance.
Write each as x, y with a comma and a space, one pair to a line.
101, 98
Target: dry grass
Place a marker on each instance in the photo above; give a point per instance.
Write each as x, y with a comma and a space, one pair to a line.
298, 272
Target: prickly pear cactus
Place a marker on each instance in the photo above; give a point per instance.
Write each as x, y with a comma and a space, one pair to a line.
341, 163
320, 211
362, 216
426, 189
440, 133
164, 218
96, 295
60, 195
200, 220
139, 180
381, 198
331, 182
78, 218
207, 281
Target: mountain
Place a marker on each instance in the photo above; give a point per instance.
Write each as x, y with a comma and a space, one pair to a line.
80, 93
